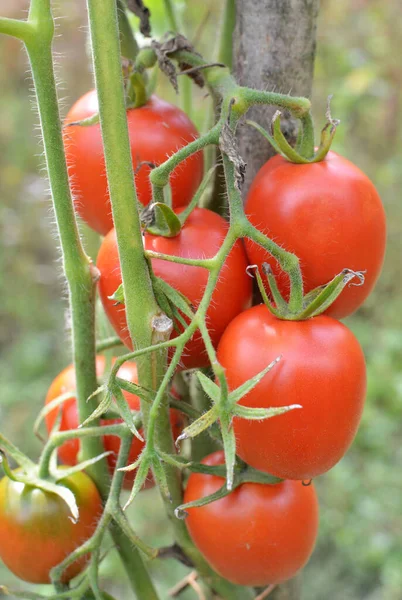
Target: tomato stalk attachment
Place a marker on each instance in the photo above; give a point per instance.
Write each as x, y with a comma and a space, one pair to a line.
304, 152
242, 473
314, 303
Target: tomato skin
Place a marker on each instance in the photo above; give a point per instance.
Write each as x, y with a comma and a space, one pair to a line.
156, 131
201, 237
329, 214
36, 530
259, 534
68, 452
322, 369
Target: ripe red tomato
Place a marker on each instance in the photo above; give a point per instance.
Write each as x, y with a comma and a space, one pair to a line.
65, 382
156, 130
329, 214
201, 237
36, 529
322, 369
259, 534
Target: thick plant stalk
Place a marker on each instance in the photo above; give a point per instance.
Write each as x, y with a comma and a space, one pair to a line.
141, 307
274, 48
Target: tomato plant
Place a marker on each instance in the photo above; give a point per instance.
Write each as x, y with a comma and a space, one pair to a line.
294, 417
156, 131
329, 215
36, 528
259, 534
68, 452
322, 369
201, 237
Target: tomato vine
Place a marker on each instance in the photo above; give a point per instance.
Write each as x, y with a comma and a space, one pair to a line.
152, 305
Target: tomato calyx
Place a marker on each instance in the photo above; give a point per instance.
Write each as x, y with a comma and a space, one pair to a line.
149, 459
225, 407
29, 475
304, 152
158, 218
243, 473
314, 303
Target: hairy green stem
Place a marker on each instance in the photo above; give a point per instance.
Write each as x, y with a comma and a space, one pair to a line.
78, 269
185, 87
22, 30
128, 43
225, 52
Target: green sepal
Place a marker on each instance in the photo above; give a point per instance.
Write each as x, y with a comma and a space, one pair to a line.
125, 412
173, 296
321, 298
143, 463
259, 414
134, 388
279, 300
250, 384
181, 511
92, 120
48, 408
102, 407
82, 466
165, 221
179, 462
160, 477
229, 447
272, 309
198, 426
265, 134
285, 149
31, 479
210, 387
118, 296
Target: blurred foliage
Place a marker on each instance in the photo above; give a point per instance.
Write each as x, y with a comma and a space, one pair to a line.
359, 554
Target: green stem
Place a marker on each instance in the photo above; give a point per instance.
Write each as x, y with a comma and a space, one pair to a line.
136, 570
139, 300
77, 266
185, 87
136, 90
171, 15
108, 343
22, 30
225, 53
128, 43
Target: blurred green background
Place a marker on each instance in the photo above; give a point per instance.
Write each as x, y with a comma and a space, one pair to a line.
359, 552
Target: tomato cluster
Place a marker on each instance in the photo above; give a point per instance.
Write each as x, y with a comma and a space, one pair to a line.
330, 216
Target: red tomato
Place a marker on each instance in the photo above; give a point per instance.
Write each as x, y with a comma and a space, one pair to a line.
201, 237
259, 534
36, 529
65, 382
156, 130
329, 214
322, 369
